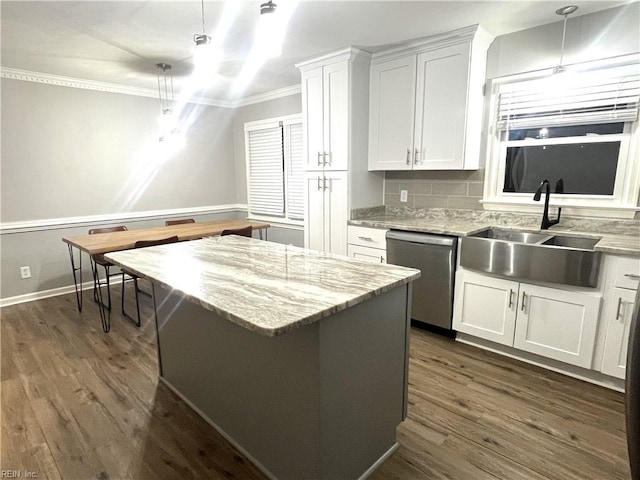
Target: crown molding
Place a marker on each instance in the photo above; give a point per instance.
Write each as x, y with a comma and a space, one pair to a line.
71, 82
62, 81
266, 96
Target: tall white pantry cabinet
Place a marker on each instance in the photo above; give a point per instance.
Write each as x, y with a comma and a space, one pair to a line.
335, 116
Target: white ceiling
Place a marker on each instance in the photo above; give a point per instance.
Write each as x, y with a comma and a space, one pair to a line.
120, 42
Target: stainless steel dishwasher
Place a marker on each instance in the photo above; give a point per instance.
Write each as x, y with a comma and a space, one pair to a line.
435, 257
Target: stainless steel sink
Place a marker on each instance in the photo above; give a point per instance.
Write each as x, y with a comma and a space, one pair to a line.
512, 235
532, 256
578, 243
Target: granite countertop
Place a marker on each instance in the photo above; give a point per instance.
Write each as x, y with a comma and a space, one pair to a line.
620, 237
266, 287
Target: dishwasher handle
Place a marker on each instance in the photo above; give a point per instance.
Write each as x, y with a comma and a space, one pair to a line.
422, 238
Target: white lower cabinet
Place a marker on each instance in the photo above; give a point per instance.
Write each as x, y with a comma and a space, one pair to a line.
367, 243
485, 307
557, 324
614, 358
622, 282
551, 322
326, 213
373, 255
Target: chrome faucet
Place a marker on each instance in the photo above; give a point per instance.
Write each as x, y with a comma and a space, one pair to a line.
546, 223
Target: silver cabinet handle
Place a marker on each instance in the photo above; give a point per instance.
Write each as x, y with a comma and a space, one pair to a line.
325, 183
319, 187
524, 300
366, 239
324, 158
319, 162
632, 276
416, 158
618, 309
381, 259
408, 156
510, 298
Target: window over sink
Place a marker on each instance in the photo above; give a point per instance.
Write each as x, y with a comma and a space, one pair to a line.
580, 126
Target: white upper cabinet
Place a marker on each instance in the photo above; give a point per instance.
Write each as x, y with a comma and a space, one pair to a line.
326, 110
426, 103
392, 105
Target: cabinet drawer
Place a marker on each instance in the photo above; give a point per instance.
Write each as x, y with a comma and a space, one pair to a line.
627, 273
367, 237
373, 255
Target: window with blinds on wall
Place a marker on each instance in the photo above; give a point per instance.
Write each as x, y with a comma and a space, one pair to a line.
575, 127
275, 168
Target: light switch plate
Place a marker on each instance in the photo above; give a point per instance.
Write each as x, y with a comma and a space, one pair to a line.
403, 195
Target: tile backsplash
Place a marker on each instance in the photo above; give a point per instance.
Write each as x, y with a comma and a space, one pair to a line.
435, 189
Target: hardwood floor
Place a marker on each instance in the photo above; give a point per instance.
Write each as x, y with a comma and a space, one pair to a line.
77, 403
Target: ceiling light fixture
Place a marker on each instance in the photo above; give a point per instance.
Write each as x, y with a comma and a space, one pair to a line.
565, 12
167, 121
203, 44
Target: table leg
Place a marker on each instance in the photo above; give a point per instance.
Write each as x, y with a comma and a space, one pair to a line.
78, 289
105, 314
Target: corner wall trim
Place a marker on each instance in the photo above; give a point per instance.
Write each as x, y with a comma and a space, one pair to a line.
62, 81
68, 222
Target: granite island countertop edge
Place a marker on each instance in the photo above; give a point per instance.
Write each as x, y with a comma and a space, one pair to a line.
257, 327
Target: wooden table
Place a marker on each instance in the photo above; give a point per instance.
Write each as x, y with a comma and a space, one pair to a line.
124, 240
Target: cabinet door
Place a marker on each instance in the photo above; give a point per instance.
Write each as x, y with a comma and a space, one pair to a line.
368, 254
335, 212
313, 120
392, 106
557, 324
336, 116
441, 107
618, 318
314, 212
485, 307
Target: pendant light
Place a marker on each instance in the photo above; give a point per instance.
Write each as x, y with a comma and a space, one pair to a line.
167, 121
203, 44
565, 12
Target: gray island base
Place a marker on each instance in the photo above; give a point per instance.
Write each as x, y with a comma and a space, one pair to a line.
317, 400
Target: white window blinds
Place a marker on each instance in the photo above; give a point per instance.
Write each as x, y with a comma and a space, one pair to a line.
598, 96
266, 171
275, 168
295, 168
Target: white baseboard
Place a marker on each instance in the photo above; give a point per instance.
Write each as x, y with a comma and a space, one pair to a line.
54, 292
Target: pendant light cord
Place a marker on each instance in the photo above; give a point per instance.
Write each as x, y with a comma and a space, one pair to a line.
202, 4
564, 31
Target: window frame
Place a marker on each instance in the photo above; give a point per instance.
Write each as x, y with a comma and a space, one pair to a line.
624, 201
281, 121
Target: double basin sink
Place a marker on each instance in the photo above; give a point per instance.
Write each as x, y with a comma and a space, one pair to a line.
542, 257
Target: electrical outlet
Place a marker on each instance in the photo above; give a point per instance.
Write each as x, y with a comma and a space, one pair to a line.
25, 272
403, 195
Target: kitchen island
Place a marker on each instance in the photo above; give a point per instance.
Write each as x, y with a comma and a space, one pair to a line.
299, 358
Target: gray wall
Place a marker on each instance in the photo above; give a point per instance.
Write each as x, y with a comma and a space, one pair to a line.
69, 152
289, 105
604, 34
